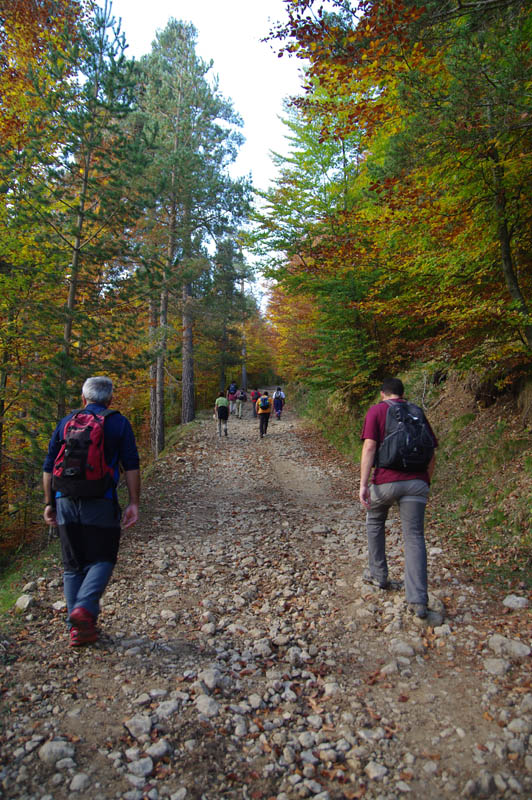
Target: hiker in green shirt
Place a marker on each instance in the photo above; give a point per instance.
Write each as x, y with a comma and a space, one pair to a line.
221, 411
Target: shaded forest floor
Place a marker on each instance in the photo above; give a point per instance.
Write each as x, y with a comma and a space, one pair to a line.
241, 655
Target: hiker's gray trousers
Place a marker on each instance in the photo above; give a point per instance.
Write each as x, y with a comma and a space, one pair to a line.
412, 499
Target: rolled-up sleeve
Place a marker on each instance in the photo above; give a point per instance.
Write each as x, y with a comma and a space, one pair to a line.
53, 450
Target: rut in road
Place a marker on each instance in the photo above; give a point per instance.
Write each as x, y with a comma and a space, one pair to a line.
242, 656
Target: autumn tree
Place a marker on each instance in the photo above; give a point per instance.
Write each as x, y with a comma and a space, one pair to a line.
437, 95
80, 191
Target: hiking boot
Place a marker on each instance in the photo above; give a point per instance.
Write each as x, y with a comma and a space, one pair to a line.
420, 610
82, 619
367, 577
80, 637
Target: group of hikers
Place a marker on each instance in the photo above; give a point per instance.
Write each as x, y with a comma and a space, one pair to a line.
262, 405
89, 445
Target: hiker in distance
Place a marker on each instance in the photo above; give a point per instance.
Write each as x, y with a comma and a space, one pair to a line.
400, 444
255, 394
264, 408
80, 475
231, 396
241, 398
279, 398
221, 412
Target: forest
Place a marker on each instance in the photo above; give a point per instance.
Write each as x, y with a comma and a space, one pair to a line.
398, 229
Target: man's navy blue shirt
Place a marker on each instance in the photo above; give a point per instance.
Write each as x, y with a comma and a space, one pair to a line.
119, 440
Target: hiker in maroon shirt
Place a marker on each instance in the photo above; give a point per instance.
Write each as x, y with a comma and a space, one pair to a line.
407, 487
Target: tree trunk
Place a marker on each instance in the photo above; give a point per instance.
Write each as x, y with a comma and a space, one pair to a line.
503, 233
222, 382
187, 400
159, 372
153, 378
244, 383
3, 387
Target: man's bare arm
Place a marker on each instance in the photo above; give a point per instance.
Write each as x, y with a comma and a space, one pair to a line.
366, 463
131, 512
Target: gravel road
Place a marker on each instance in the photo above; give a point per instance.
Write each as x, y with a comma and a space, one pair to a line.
241, 656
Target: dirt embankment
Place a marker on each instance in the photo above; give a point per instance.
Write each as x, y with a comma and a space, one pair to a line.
242, 656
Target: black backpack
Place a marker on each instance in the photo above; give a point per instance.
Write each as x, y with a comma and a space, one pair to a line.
408, 445
264, 402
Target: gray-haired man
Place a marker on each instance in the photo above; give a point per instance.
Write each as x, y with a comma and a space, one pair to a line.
89, 526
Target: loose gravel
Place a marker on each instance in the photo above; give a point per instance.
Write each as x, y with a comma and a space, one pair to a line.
242, 656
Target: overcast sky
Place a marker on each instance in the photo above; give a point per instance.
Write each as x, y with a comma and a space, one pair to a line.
249, 71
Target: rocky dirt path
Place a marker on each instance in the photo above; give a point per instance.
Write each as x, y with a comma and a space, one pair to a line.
242, 657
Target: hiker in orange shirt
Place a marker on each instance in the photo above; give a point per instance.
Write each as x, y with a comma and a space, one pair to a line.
264, 409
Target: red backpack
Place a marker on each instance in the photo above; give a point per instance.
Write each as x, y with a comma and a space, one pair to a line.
80, 469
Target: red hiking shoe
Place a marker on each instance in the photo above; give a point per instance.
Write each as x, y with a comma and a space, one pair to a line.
80, 637
83, 630
82, 619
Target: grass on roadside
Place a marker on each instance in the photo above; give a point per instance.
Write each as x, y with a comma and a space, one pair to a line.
24, 569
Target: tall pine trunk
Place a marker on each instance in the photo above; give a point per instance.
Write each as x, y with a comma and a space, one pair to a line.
222, 382
3, 389
187, 401
160, 370
153, 378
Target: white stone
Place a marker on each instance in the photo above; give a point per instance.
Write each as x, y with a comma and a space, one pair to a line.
207, 705
209, 628
141, 768
398, 647
306, 739
294, 655
496, 666
167, 708
263, 648
159, 749
522, 726
142, 700
515, 601
52, 752
23, 603
255, 701
375, 771
138, 726
211, 678
402, 786
512, 648
80, 782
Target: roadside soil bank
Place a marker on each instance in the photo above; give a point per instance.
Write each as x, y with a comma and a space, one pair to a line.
242, 656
